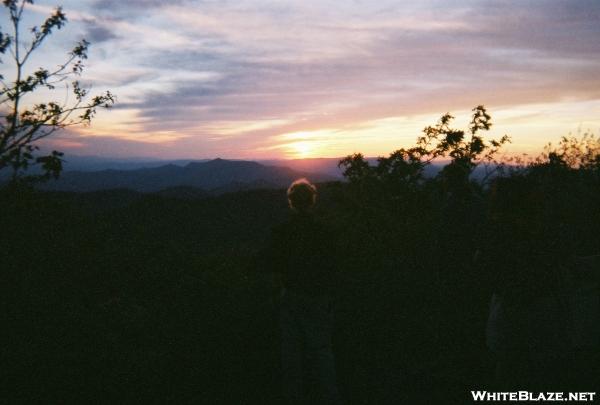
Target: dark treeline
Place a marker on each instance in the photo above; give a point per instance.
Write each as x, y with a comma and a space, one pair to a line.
114, 298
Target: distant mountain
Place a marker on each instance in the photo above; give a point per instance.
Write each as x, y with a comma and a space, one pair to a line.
215, 176
327, 166
97, 163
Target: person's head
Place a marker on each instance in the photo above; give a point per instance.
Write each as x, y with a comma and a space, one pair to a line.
302, 195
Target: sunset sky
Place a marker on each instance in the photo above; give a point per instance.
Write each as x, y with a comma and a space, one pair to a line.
308, 78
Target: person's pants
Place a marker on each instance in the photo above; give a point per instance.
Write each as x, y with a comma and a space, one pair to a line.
306, 348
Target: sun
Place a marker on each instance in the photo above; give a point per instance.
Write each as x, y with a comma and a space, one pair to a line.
301, 149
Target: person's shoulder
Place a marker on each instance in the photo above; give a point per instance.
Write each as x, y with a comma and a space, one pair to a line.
323, 228
280, 227
305, 223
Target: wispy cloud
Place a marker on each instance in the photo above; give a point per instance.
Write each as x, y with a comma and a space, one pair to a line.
240, 78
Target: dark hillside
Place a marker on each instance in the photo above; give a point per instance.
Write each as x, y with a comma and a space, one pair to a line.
117, 296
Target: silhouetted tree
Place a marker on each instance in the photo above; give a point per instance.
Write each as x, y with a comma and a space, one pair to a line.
406, 166
22, 124
574, 153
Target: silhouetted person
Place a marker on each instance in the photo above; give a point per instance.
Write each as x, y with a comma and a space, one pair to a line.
302, 250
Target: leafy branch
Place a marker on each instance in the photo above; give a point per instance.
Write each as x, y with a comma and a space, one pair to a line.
407, 166
22, 126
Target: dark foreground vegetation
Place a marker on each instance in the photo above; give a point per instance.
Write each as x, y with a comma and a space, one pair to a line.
111, 297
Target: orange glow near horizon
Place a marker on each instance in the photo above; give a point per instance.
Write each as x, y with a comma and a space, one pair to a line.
530, 127
254, 80
301, 150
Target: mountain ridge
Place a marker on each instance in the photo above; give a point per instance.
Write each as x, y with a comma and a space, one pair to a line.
213, 175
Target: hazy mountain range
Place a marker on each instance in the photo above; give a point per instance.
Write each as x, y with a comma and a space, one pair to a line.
215, 176
96, 163
189, 178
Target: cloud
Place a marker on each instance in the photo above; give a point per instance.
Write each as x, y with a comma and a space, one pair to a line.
96, 33
224, 74
139, 5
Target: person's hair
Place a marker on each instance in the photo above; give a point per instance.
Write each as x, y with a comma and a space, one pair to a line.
302, 195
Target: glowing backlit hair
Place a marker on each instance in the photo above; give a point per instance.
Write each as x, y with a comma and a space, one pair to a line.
302, 195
